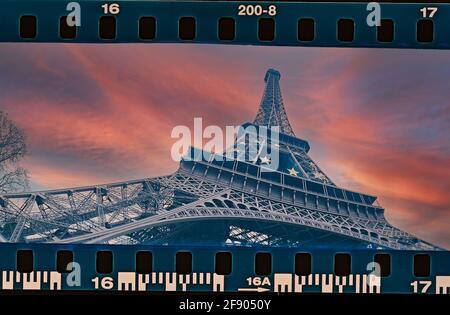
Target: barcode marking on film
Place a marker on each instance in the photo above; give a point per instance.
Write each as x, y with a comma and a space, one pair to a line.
32, 280
442, 284
282, 282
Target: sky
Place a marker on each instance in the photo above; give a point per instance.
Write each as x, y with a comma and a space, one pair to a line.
378, 121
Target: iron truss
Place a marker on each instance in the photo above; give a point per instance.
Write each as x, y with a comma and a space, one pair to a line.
112, 213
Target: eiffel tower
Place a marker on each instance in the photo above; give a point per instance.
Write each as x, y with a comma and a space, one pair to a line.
213, 201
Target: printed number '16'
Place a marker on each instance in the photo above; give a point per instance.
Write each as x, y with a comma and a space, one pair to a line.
111, 8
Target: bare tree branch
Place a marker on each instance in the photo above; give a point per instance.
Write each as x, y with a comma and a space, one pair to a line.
12, 149
15, 180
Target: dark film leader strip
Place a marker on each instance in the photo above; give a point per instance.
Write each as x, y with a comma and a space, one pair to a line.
411, 25
226, 29
223, 263
250, 269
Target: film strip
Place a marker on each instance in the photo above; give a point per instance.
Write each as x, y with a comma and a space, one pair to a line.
395, 25
227, 269
221, 222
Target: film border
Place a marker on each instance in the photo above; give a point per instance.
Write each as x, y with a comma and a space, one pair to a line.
409, 25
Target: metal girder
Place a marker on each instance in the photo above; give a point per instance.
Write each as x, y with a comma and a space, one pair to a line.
93, 208
22, 218
123, 199
208, 208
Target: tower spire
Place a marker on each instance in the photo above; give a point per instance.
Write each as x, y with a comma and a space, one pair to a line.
271, 110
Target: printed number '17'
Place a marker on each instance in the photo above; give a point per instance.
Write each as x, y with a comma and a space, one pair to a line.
428, 12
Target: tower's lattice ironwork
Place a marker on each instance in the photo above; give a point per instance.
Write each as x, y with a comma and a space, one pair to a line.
271, 110
213, 201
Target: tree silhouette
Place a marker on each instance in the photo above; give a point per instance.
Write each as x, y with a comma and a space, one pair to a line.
12, 148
